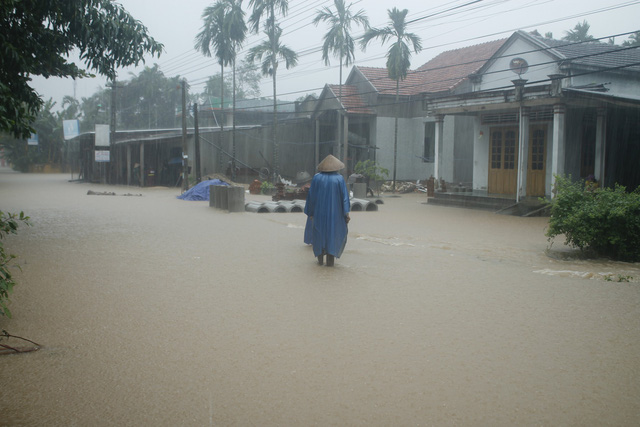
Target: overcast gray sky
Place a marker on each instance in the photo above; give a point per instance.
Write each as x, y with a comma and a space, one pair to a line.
454, 24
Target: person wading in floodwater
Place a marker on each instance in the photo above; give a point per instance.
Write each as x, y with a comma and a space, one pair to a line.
327, 211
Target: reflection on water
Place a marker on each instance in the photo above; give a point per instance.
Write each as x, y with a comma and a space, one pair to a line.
153, 310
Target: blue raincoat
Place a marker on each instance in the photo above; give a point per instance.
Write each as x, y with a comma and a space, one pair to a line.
326, 208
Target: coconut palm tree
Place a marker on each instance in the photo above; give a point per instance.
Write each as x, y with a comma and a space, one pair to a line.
270, 52
580, 33
634, 40
338, 40
212, 37
266, 10
236, 31
398, 58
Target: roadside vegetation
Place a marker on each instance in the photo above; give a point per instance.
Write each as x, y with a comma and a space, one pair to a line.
602, 222
9, 224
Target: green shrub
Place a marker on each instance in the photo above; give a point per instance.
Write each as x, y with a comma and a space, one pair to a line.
372, 171
602, 220
8, 225
266, 187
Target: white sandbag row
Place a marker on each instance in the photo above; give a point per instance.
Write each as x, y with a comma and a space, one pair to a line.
284, 206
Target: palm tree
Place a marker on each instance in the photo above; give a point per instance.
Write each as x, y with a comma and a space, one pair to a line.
338, 41
580, 33
271, 50
236, 31
634, 40
212, 37
398, 58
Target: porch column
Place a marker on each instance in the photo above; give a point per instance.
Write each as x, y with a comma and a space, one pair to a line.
438, 145
128, 164
141, 164
601, 145
557, 154
523, 155
345, 144
317, 145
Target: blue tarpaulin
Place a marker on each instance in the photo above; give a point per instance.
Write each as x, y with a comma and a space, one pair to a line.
201, 190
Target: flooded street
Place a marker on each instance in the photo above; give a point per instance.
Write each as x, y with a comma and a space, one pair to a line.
156, 311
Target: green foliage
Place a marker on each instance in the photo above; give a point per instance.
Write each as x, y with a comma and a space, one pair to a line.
48, 127
266, 187
602, 220
402, 43
8, 225
37, 38
580, 33
634, 40
372, 171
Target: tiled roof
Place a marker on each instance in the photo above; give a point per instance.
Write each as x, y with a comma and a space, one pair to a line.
351, 100
596, 55
379, 78
444, 72
447, 70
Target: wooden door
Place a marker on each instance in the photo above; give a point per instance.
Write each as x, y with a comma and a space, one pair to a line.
503, 160
536, 171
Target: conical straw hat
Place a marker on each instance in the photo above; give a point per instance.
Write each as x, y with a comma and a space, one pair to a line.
330, 164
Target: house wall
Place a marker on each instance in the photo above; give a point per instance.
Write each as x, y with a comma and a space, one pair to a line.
499, 75
462, 153
410, 166
616, 84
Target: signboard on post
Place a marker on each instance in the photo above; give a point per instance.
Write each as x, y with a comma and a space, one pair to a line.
71, 128
33, 139
102, 156
103, 136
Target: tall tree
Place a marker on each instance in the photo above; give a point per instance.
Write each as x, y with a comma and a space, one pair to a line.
271, 50
398, 58
225, 30
339, 42
148, 100
580, 33
236, 31
634, 40
212, 37
38, 37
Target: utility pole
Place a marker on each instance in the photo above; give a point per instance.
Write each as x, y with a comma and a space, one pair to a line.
196, 135
112, 138
185, 160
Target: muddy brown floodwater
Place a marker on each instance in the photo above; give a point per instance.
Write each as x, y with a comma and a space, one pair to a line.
157, 311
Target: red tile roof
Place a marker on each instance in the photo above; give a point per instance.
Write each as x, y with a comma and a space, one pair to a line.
450, 68
352, 102
444, 72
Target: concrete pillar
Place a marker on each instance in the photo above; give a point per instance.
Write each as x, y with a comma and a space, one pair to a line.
557, 154
221, 199
128, 164
235, 199
601, 145
359, 190
317, 159
438, 145
212, 196
141, 164
523, 155
345, 143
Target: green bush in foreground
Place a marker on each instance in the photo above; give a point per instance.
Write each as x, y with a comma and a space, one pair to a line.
8, 225
602, 220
